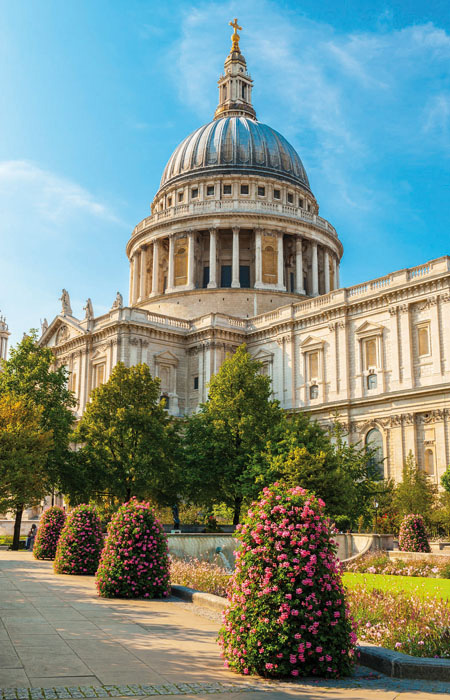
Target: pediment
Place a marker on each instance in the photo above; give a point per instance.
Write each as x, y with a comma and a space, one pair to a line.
166, 357
60, 330
312, 343
263, 356
368, 328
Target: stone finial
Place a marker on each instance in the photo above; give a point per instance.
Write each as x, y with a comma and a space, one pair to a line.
44, 326
118, 301
89, 310
65, 303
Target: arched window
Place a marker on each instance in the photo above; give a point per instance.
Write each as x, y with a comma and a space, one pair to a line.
374, 442
429, 461
371, 353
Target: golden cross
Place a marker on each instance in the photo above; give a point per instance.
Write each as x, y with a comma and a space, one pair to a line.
235, 36
235, 25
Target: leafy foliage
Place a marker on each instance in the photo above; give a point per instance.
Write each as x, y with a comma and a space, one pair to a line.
135, 560
29, 373
49, 530
80, 544
413, 536
24, 447
128, 441
287, 613
234, 424
445, 479
415, 493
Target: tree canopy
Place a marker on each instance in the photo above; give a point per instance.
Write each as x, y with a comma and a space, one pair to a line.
127, 441
231, 426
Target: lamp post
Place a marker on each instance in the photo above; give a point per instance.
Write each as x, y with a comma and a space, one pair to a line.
376, 516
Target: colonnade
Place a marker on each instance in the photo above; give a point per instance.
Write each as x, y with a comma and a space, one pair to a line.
161, 254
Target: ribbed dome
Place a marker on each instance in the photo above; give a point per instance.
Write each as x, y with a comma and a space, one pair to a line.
235, 144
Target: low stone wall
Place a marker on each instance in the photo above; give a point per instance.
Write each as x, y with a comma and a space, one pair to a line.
418, 556
7, 526
353, 544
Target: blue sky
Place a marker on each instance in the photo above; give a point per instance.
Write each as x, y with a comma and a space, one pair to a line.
96, 95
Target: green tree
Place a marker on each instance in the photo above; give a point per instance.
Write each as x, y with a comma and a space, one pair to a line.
302, 453
128, 443
445, 479
234, 424
30, 373
24, 447
415, 493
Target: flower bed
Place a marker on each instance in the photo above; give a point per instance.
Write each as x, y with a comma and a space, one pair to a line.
200, 575
403, 622
375, 563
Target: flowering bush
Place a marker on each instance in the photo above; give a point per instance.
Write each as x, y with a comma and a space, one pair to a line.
80, 543
201, 575
412, 536
135, 559
287, 613
382, 564
412, 624
50, 526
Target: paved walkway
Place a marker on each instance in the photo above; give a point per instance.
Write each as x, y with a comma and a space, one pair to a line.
58, 638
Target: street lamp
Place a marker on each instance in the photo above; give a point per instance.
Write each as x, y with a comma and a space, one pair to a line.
376, 504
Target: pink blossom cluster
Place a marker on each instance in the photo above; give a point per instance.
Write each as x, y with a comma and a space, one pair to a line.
80, 543
49, 530
135, 559
412, 536
287, 614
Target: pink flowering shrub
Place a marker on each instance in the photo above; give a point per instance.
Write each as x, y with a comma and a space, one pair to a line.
287, 614
80, 543
413, 536
135, 559
50, 526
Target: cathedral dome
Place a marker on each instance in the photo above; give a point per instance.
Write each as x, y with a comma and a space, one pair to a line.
235, 144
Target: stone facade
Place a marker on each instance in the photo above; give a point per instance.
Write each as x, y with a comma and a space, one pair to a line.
235, 251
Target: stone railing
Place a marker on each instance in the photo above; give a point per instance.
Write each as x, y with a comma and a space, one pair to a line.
235, 206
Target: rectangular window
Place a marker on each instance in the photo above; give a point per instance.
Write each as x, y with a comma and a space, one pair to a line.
301, 202
244, 276
169, 202
290, 198
423, 341
225, 276
99, 375
313, 365
194, 193
244, 189
195, 383
210, 190
180, 196
227, 189
371, 353
261, 191
276, 194
205, 276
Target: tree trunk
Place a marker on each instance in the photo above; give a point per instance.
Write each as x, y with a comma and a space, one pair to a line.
17, 524
237, 510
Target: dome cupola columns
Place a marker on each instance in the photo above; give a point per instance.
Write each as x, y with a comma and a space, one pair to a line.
235, 86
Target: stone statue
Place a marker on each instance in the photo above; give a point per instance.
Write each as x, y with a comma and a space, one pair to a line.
89, 310
118, 301
44, 326
65, 303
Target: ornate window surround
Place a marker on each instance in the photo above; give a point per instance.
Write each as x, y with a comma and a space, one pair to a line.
307, 347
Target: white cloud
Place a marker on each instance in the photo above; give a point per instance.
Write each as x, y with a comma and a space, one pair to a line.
27, 188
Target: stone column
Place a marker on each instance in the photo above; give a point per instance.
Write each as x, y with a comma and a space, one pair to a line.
170, 265
335, 271
299, 288
191, 265
142, 275
280, 261
258, 259
235, 267
326, 264
212, 284
338, 284
155, 269
315, 270
135, 277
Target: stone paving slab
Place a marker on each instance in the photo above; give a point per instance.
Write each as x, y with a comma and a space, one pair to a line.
87, 647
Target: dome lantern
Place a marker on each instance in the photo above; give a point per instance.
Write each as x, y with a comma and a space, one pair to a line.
235, 86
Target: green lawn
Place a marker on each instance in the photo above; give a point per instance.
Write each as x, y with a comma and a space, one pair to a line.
439, 587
